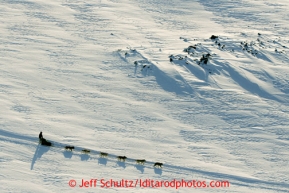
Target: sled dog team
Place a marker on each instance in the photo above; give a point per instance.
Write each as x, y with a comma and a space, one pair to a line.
102, 154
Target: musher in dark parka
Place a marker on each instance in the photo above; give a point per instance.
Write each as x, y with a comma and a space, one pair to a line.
40, 136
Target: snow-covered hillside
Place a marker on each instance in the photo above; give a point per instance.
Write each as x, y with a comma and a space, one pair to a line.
144, 79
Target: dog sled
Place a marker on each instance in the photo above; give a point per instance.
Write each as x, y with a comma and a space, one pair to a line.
44, 142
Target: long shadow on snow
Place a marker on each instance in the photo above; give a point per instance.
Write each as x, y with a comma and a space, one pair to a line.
198, 71
228, 177
248, 85
176, 84
40, 150
17, 136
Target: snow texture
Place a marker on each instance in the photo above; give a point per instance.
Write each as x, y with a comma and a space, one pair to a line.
128, 78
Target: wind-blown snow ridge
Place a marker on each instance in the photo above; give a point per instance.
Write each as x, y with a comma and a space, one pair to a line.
255, 79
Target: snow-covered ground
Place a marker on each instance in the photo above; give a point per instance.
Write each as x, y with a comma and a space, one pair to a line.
97, 75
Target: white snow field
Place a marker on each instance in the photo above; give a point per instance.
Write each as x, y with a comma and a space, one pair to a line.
125, 77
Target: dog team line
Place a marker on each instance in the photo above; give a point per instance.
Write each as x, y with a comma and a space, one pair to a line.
44, 142
148, 183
